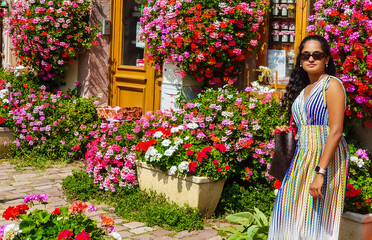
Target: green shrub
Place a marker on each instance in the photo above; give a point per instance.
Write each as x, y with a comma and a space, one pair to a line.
134, 204
236, 198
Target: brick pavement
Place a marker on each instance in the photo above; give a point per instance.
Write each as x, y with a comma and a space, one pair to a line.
16, 184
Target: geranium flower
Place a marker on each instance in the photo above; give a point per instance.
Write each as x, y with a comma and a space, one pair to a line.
78, 208
65, 235
82, 236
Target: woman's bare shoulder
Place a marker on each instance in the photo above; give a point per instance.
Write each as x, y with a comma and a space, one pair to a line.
335, 84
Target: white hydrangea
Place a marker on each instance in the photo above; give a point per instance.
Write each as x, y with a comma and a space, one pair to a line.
158, 134
166, 142
172, 170
183, 166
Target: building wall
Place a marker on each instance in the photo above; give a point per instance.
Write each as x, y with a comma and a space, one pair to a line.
93, 64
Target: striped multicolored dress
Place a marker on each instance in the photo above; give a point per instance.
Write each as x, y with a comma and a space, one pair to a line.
297, 215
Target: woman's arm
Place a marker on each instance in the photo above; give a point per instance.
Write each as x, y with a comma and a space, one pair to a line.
335, 97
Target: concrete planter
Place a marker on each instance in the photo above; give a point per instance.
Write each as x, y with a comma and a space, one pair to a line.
6, 134
356, 226
199, 192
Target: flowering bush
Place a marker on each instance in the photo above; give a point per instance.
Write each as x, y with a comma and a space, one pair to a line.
49, 124
47, 34
232, 127
4, 103
208, 41
109, 158
347, 26
359, 190
62, 223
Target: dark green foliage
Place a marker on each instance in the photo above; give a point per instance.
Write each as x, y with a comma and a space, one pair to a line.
236, 198
134, 204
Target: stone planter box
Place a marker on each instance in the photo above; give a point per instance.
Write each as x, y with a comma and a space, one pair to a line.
355, 226
6, 134
199, 192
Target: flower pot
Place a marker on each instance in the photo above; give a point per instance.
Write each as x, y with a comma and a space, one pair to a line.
199, 192
355, 226
6, 135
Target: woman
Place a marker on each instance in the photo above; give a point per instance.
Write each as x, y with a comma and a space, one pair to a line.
310, 200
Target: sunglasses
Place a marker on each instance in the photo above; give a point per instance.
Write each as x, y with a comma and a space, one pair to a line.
316, 55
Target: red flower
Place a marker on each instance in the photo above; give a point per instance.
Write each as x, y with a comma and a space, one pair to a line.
56, 211
227, 167
219, 169
192, 166
83, 236
187, 145
189, 152
65, 235
13, 212
220, 147
277, 184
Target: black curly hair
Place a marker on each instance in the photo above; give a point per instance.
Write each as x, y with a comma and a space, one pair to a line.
299, 79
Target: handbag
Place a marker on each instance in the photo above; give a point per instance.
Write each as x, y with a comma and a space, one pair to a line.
285, 146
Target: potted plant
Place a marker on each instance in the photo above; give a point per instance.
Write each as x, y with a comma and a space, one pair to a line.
62, 223
221, 134
356, 222
6, 133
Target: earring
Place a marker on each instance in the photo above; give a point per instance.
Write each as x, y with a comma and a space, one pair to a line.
326, 65
300, 65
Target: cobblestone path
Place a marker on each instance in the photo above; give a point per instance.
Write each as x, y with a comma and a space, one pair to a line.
15, 185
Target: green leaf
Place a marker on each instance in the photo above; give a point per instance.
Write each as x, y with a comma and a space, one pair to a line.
27, 226
43, 216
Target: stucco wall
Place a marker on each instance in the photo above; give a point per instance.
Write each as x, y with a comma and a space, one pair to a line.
94, 63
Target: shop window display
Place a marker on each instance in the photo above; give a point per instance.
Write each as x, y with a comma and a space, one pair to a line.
281, 42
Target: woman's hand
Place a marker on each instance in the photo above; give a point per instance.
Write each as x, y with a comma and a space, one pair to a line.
283, 128
316, 186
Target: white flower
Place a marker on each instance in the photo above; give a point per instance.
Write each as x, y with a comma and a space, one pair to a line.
158, 134
183, 166
11, 231
166, 142
169, 152
186, 138
276, 192
354, 159
178, 141
192, 125
172, 170
256, 127
152, 154
229, 96
115, 235
5, 100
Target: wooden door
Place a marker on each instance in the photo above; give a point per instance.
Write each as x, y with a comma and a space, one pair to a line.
132, 80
